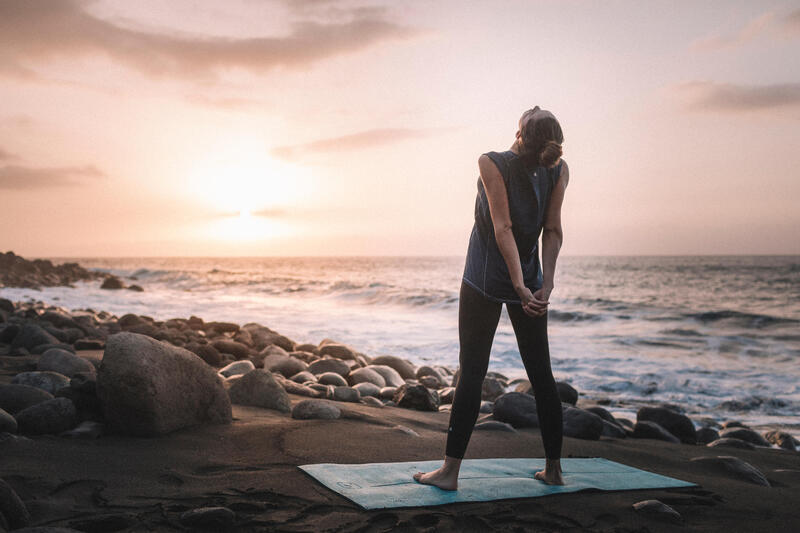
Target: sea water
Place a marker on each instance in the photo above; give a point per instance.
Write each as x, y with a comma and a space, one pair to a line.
716, 336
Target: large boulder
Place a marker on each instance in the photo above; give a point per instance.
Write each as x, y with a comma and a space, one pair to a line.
148, 387
320, 366
416, 397
745, 434
236, 349
284, 364
46, 380
679, 425
645, 429
52, 416
516, 408
30, 336
389, 374
403, 367
14, 398
782, 439
63, 362
581, 424
367, 374
260, 389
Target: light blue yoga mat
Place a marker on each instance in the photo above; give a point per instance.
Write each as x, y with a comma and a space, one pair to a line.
385, 485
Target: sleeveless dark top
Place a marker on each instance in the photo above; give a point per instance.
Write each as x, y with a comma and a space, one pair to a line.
529, 193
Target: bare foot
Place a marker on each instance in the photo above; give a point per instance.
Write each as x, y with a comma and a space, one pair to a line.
552, 477
440, 478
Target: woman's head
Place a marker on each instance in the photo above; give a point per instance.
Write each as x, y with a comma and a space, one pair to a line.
540, 138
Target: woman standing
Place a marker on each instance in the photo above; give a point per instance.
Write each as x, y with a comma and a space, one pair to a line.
520, 192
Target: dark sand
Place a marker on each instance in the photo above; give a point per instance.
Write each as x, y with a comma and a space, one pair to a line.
251, 466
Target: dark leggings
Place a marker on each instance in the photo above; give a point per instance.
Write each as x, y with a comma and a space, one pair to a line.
477, 322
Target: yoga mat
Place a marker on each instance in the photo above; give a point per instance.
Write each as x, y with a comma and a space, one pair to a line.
385, 485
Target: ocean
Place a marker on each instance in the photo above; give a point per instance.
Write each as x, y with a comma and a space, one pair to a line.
717, 336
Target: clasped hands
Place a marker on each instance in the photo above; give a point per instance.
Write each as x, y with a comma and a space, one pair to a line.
535, 303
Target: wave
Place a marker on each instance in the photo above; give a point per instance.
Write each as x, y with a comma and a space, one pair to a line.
747, 320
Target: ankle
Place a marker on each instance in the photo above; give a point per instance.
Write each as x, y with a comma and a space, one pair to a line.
451, 464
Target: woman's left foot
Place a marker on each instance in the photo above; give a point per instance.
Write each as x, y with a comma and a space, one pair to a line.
549, 477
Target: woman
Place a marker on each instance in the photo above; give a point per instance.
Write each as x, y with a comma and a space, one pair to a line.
520, 193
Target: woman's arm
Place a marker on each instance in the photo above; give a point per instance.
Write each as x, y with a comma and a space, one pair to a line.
552, 233
501, 220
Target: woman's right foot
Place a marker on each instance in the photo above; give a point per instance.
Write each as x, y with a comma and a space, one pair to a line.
446, 480
551, 477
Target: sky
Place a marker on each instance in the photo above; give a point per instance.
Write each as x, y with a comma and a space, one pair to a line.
319, 127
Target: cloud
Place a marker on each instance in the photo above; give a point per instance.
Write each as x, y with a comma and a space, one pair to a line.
32, 31
354, 141
770, 24
731, 98
16, 177
7, 156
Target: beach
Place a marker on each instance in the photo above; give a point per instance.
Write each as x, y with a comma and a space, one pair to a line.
277, 403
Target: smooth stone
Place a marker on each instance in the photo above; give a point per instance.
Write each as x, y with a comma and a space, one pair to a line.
645, 429
15, 398
706, 435
745, 434
339, 351
371, 401
320, 366
88, 429
735, 467
259, 388
429, 371
332, 378
148, 387
206, 352
486, 407
367, 389
292, 387
492, 388
447, 394
52, 416
307, 347
387, 393
581, 424
346, 394
679, 425
391, 377
658, 510
12, 507
416, 397
236, 349
8, 424
782, 439
730, 442
208, 518
284, 364
567, 393
302, 377
267, 351
46, 380
517, 409
613, 431
112, 282
402, 366
317, 409
30, 336
495, 425
367, 374
237, 368
63, 362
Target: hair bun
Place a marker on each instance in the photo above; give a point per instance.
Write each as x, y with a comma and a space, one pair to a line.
550, 154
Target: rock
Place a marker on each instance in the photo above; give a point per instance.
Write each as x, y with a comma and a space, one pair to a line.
567, 392
416, 397
389, 374
214, 518
734, 467
88, 429
292, 387
492, 388
745, 434
495, 425
307, 347
387, 393
322, 409
15, 398
782, 439
447, 394
148, 387
613, 431
645, 429
305, 375
371, 401
89, 344
206, 352
259, 389
677, 424
732, 424
346, 394
339, 351
237, 368
706, 435
221, 327
581, 424
431, 382
285, 365
332, 378
516, 408
47, 380
12, 508
267, 351
486, 407
658, 510
136, 288
6, 305
403, 367
52, 416
724, 442
63, 362
367, 374
367, 389
430, 371
8, 424
320, 366
30, 336
112, 282
236, 349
